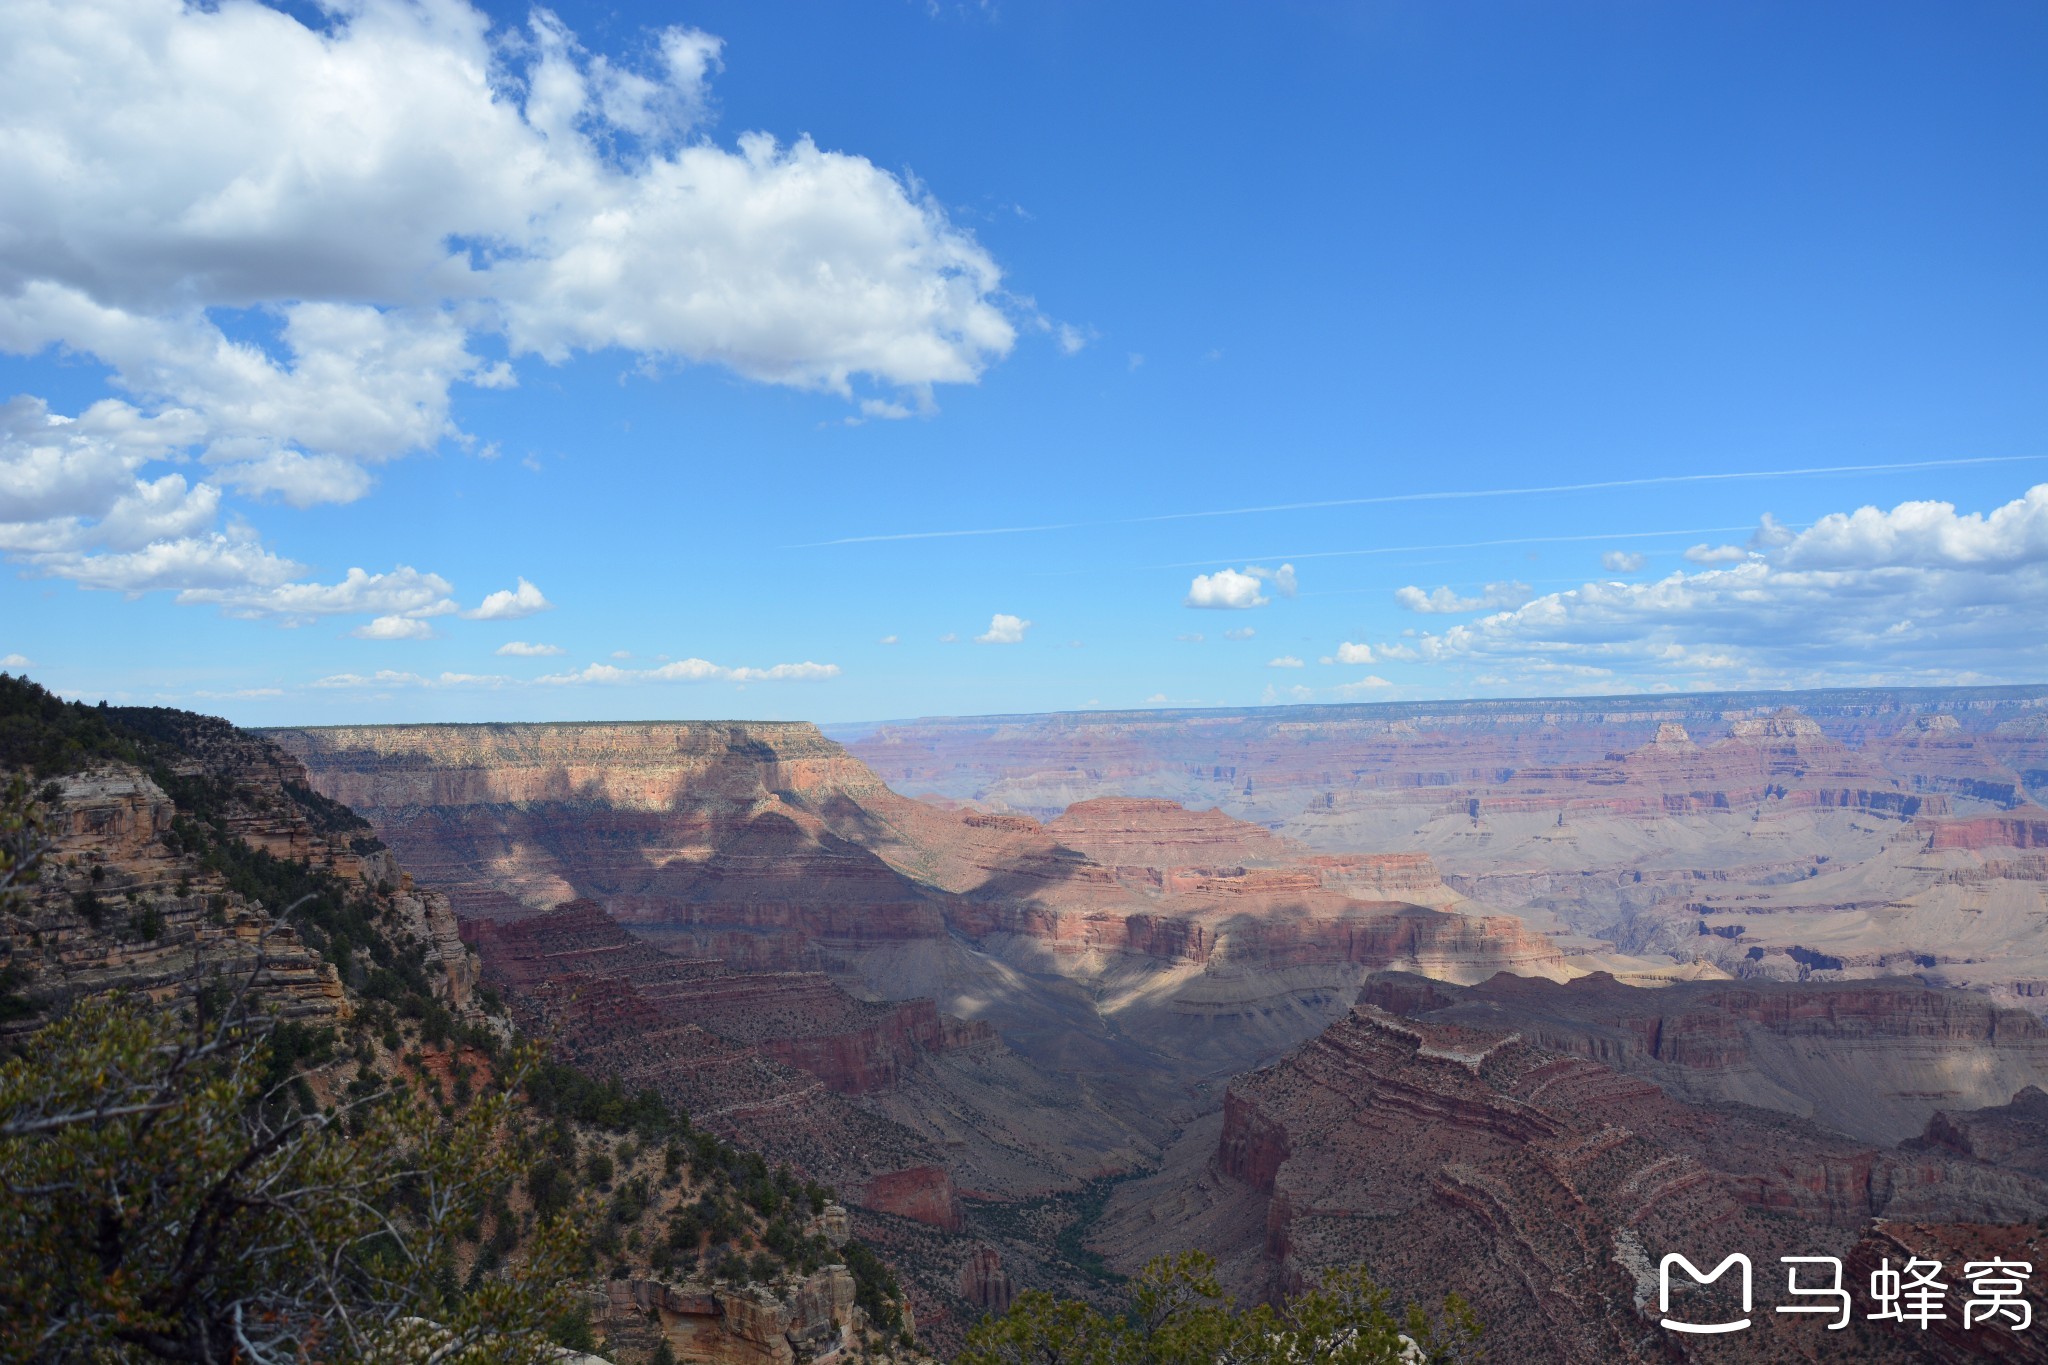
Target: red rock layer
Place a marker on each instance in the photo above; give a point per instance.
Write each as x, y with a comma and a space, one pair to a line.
1448, 1157
2027, 828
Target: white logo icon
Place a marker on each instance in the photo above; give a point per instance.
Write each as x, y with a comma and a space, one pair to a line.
1664, 1291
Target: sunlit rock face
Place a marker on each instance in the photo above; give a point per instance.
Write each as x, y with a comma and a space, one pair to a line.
1208, 942
1845, 834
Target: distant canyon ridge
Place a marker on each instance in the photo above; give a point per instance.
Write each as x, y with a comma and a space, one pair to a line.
969, 969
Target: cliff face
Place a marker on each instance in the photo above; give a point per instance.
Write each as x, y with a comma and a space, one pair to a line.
125, 902
1857, 833
1538, 1185
1875, 1060
769, 848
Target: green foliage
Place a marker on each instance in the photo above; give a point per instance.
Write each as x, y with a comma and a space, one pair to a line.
156, 1204
874, 1286
46, 735
1179, 1315
559, 1091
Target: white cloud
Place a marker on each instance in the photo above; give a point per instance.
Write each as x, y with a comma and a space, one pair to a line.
949, 638
394, 628
1349, 653
1716, 554
404, 591
385, 678
520, 649
1770, 534
694, 670
1282, 578
1622, 561
1284, 661
510, 604
1239, 633
1003, 629
1071, 339
16, 661
1226, 590
889, 640
1367, 684
1191, 638
288, 245
1443, 601
1919, 593
404, 180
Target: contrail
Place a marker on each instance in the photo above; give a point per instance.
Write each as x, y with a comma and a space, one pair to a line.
1458, 545
1451, 495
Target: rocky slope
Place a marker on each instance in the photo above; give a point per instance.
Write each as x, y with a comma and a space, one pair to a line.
1131, 939
184, 857
1875, 1060
1862, 833
1543, 1186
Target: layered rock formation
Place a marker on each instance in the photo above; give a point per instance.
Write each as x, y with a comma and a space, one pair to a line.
1628, 821
1875, 1060
125, 902
1544, 1187
1202, 942
805, 1319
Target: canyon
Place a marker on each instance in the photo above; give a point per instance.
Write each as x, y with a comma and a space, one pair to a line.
1843, 833
1571, 979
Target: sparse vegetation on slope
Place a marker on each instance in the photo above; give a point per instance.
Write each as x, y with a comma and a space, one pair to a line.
280, 1168
1179, 1315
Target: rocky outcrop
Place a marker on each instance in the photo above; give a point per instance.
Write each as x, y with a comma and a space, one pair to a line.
984, 1282
2013, 1135
121, 905
769, 849
792, 1321
1874, 1059
2026, 828
1858, 833
923, 1194
1447, 1156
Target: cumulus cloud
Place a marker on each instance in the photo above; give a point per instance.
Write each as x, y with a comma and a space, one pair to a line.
1716, 554
520, 649
889, 640
1226, 590
289, 246
394, 628
1368, 684
1239, 633
1917, 593
16, 661
1443, 601
1282, 579
1003, 629
405, 591
405, 180
1622, 561
510, 604
1349, 653
1284, 661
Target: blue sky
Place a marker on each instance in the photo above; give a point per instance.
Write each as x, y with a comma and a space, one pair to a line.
1229, 329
